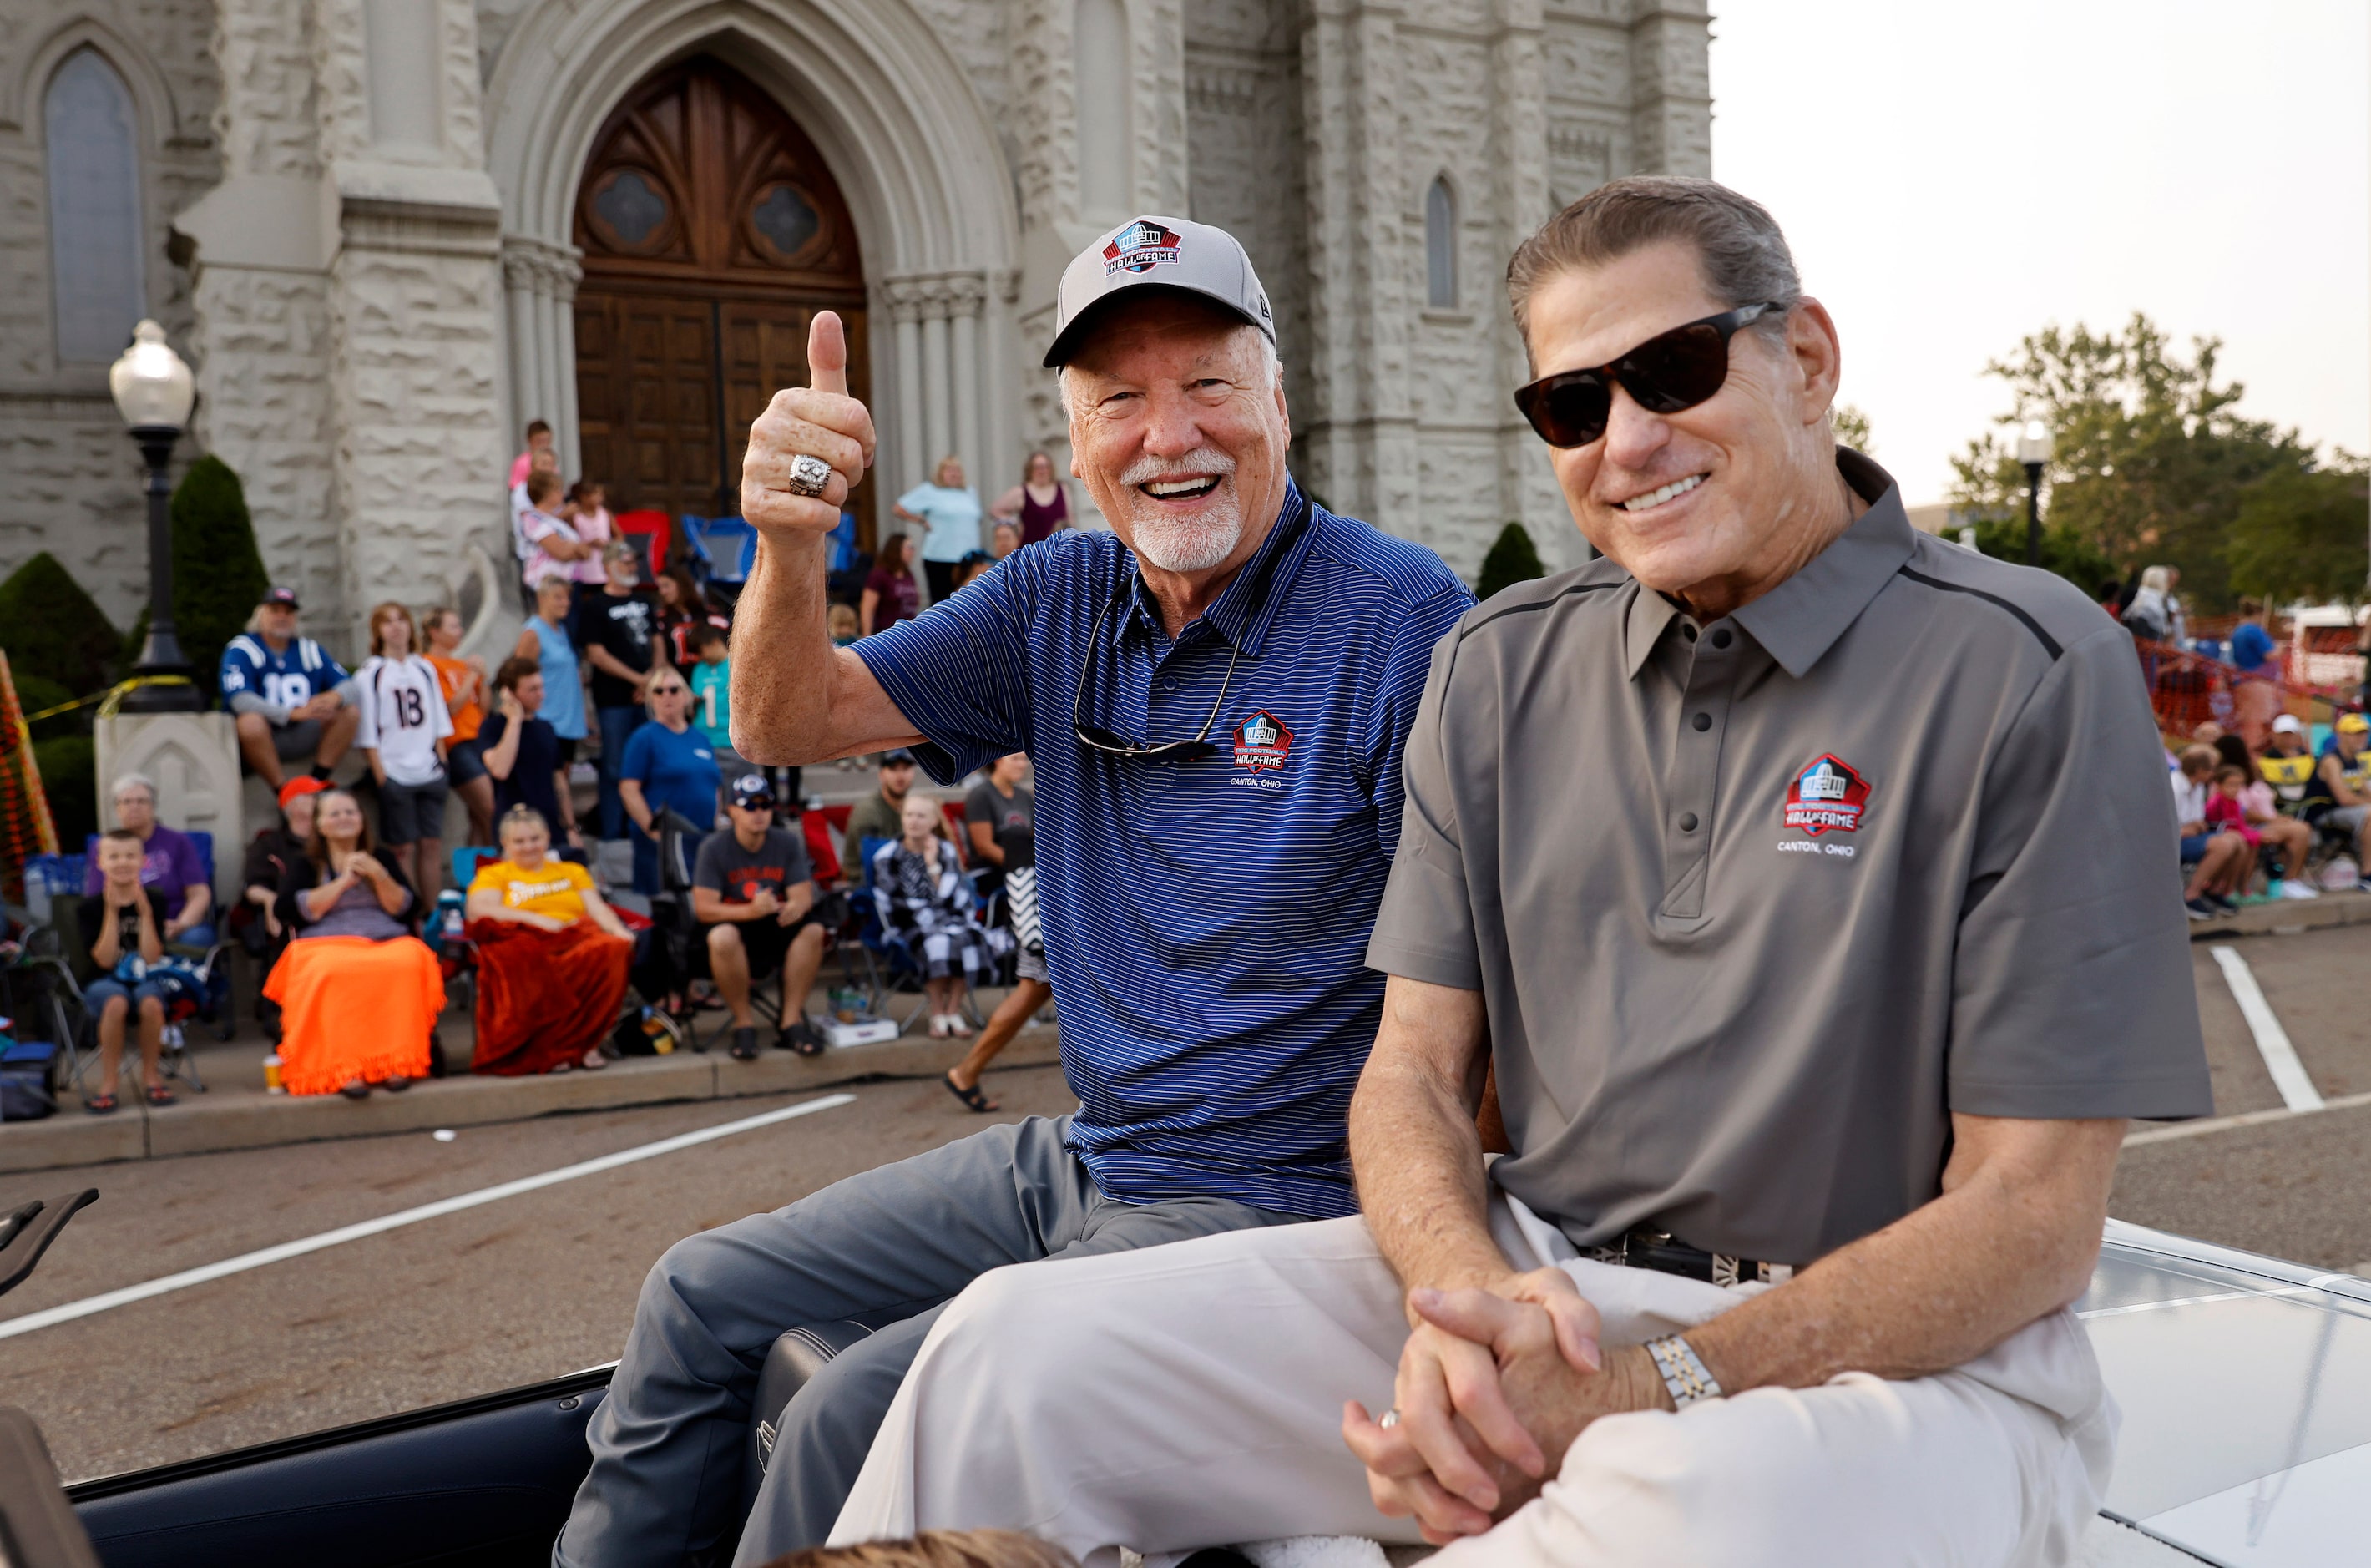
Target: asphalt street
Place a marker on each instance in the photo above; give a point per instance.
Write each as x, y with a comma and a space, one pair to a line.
531, 1286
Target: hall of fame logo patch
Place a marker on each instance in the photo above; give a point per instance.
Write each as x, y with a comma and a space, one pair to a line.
1139, 247
1262, 742
1827, 796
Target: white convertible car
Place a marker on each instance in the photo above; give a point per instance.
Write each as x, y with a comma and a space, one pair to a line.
2245, 1382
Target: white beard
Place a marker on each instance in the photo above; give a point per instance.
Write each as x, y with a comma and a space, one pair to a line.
1183, 544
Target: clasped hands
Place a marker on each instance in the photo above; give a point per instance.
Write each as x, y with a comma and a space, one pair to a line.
1494, 1385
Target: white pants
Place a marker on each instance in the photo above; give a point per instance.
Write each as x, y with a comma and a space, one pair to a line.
1190, 1395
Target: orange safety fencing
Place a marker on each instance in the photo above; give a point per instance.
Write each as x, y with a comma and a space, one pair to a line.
2187, 690
25, 827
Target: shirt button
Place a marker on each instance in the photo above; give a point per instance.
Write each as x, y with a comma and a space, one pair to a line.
1687, 821
1702, 722
1721, 638
1687, 630
1169, 686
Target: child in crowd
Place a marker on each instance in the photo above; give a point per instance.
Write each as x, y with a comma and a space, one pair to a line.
405, 725
711, 691
587, 511
842, 621
464, 680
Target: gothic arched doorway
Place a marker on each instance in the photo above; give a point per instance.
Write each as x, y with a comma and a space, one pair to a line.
712, 233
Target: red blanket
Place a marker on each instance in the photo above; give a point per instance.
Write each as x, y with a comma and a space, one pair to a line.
544, 997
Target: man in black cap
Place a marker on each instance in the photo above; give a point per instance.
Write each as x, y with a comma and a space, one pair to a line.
753, 890
878, 815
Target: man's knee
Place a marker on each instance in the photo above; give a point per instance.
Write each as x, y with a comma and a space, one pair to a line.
723, 939
808, 942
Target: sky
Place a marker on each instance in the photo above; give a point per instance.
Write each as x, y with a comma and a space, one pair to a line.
1952, 177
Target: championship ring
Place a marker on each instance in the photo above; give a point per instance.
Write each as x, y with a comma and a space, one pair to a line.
808, 475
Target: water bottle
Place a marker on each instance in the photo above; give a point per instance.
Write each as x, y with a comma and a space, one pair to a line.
453, 922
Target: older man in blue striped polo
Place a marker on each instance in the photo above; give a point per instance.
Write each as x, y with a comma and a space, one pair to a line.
1215, 696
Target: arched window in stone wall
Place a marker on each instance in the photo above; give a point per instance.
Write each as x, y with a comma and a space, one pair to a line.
95, 281
1106, 134
1440, 246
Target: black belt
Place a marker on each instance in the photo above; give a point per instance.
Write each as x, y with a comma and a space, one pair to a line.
1644, 1246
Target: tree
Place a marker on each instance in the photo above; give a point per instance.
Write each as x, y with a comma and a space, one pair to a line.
53, 630
2152, 454
2300, 534
1513, 559
1851, 429
218, 575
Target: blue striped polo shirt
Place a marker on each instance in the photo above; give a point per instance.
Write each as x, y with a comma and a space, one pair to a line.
1206, 922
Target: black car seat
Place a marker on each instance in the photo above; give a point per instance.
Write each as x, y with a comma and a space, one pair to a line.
795, 1358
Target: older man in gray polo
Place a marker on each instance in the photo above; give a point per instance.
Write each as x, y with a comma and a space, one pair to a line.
1804, 879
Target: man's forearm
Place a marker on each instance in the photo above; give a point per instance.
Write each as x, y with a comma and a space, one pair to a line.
1938, 1287
781, 705
1419, 1161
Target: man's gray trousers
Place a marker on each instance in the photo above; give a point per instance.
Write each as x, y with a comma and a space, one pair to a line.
895, 1243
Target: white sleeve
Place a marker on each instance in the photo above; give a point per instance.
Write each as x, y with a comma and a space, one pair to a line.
367, 684
440, 717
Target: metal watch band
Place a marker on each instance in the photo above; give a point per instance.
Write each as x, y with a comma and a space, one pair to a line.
1684, 1373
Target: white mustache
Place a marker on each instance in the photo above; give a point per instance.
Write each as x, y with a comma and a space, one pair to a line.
1201, 462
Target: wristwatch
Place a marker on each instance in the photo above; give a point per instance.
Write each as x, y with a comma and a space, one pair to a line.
1684, 1373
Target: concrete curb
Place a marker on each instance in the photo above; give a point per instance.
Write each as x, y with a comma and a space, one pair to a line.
227, 1118
2289, 917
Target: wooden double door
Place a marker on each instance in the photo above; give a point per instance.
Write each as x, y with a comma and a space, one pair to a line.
712, 234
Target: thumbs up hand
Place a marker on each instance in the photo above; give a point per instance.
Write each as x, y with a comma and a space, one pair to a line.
820, 421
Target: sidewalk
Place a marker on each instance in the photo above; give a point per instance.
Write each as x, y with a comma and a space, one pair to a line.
236, 1113
2289, 917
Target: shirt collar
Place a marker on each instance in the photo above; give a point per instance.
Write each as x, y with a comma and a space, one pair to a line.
1247, 607
1800, 618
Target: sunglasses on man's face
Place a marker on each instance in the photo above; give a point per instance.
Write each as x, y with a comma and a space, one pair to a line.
1669, 372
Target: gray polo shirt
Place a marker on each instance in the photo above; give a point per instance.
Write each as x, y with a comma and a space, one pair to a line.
1756, 906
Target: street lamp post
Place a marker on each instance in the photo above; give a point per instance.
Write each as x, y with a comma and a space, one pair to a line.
153, 392
2033, 451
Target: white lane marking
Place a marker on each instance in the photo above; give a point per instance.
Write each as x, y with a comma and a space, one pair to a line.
437, 1210
2272, 1041
2224, 1124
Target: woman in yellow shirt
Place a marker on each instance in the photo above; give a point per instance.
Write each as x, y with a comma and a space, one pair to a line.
552, 957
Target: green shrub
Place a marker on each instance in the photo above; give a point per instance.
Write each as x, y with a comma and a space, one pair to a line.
1513, 560
53, 630
217, 572
69, 765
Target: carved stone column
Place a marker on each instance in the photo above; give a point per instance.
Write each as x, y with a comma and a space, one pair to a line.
966, 295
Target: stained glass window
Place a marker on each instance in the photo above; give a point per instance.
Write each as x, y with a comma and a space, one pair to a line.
630, 208
786, 220
93, 178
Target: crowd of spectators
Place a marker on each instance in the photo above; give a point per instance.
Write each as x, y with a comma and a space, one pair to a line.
2285, 821
616, 665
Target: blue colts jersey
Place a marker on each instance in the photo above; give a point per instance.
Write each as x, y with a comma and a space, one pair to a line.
289, 678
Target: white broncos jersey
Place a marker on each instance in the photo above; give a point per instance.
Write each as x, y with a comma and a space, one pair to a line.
403, 717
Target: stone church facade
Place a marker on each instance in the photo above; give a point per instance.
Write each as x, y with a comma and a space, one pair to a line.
386, 233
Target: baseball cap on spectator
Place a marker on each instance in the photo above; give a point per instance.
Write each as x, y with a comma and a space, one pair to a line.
897, 758
306, 785
278, 595
2353, 724
751, 790
2288, 725
1156, 252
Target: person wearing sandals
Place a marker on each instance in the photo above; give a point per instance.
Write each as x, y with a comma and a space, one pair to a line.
919, 887
1001, 820
124, 927
753, 891
359, 994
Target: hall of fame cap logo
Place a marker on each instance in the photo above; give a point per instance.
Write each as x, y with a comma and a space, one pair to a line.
1262, 741
1827, 796
1139, 247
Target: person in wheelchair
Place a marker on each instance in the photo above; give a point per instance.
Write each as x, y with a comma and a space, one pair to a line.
552, 957
753, 892
918, 887
359, 993
123, 926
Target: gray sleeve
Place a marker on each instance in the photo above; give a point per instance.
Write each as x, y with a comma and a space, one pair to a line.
708, 865
348, 691
1425, 929
248, 703
2072, 994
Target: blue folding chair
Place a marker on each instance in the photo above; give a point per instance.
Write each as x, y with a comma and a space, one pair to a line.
723, 550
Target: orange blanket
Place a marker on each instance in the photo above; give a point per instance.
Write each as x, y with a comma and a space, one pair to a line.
544, 997
354, 1008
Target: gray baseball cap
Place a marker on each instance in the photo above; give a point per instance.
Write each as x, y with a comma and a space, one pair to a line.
1156, 252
